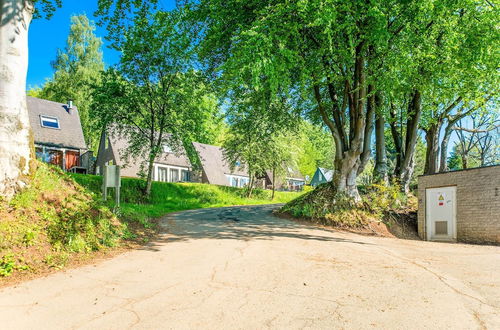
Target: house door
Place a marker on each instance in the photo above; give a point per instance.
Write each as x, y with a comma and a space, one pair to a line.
72, 159
440, 207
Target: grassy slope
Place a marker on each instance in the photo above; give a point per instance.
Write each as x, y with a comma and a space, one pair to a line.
383, 210
50, 221
171, 197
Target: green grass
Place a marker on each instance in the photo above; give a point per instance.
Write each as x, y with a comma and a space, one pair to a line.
378, 203
171, 197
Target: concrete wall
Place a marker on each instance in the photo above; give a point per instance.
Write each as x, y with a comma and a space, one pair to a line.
478, 202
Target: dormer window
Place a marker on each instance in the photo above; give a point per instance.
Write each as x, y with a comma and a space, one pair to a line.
167, 149
49, 122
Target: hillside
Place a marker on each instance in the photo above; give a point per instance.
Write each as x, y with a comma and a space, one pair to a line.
51, 223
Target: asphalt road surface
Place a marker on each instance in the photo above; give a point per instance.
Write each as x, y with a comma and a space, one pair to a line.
242, 268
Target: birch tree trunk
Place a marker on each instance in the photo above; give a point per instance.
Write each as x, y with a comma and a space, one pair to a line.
15, 145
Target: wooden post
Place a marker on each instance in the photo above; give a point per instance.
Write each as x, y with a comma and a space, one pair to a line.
105, 183
117, 186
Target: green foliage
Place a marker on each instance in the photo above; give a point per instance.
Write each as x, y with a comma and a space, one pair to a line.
7, 265
153, 97
321, 55
77, 72
316, 148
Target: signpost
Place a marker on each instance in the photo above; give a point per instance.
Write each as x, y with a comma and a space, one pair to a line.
111, 179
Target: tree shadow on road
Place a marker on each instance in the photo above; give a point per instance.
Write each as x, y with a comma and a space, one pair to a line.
237, 223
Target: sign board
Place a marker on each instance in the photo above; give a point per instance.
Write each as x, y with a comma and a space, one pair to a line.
111, 179
112, 176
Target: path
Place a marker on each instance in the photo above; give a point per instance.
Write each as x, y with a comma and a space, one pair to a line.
242, 268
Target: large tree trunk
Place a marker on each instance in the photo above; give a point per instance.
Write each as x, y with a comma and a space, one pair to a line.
406, 153
345, 174
367, 141
398, 141
349, 147
380, 170
443, 163
15, 133
432, 151
414, 112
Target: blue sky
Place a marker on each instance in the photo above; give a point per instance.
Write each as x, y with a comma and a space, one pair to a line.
46, 36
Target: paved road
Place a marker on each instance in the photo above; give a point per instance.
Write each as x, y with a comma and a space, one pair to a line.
242, 268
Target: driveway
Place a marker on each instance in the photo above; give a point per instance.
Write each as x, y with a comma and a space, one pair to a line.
242, 268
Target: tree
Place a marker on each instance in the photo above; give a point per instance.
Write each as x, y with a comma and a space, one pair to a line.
335, 54
380, 171
255, 138
147, 97
462, 72
16, 147
77, 72
461, 113
315, 147
477, 145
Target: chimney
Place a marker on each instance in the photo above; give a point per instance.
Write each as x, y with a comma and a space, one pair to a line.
70, 107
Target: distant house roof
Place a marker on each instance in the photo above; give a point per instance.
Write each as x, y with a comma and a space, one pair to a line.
119, 144
215, 166
294, 173
321, 175
328, 174
68, 135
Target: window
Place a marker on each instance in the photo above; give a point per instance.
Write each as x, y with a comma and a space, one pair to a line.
49, 122
243, 182
166, 148
237, 181
162, 174
174, 175
185, 176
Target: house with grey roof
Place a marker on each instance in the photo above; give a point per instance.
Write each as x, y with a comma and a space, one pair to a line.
58, 134
322, 175
293, 180
172, 165
216, 170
